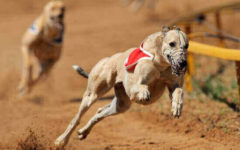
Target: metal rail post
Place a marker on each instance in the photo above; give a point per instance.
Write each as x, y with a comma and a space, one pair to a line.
221, 40
237, 63
190, 61
219, 26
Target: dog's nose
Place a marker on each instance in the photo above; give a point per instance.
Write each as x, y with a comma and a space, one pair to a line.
183, 64
60, 16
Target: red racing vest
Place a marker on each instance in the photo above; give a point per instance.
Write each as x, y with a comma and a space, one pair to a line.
135, 56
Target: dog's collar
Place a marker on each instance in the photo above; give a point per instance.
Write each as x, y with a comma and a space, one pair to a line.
59, 39
135, 56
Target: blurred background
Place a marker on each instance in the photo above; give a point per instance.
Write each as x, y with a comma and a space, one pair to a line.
99, 28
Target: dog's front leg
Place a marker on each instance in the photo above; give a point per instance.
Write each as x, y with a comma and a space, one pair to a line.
177, 102
26, 78
176, 95
144, 74
45, 67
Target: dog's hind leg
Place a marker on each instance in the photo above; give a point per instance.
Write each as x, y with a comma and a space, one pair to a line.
119, 104
88, 100
99, 83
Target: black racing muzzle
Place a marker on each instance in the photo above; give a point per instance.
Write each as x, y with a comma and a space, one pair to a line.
178, 64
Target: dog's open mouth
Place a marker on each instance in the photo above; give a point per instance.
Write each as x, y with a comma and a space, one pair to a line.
178, 67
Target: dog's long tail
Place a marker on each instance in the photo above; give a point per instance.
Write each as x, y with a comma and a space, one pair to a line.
80, 71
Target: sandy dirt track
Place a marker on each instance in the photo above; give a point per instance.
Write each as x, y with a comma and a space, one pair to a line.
96, 29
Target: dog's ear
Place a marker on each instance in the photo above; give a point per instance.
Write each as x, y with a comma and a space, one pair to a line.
159, 39
165, 29
176, 28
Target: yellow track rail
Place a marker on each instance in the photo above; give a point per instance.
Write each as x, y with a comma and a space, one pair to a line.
214, 51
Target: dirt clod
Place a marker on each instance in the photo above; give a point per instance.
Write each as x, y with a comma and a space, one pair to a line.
31, 142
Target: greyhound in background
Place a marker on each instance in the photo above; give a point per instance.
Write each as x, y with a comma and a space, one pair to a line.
44, 41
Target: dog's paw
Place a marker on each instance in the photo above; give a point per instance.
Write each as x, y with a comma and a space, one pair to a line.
177, 107
143, 95
23, 91
82, 134
59, 143
140, 94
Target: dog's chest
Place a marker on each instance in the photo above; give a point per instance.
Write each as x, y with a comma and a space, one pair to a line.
49, 46
157, 87
53, 36
44, 50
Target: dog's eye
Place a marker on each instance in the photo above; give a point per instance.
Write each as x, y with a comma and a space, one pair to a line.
186, 46
172, 44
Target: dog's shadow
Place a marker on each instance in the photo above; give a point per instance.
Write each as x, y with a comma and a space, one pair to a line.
37, 100
74, 100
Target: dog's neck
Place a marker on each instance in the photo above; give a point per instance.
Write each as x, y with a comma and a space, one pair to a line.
153, 44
